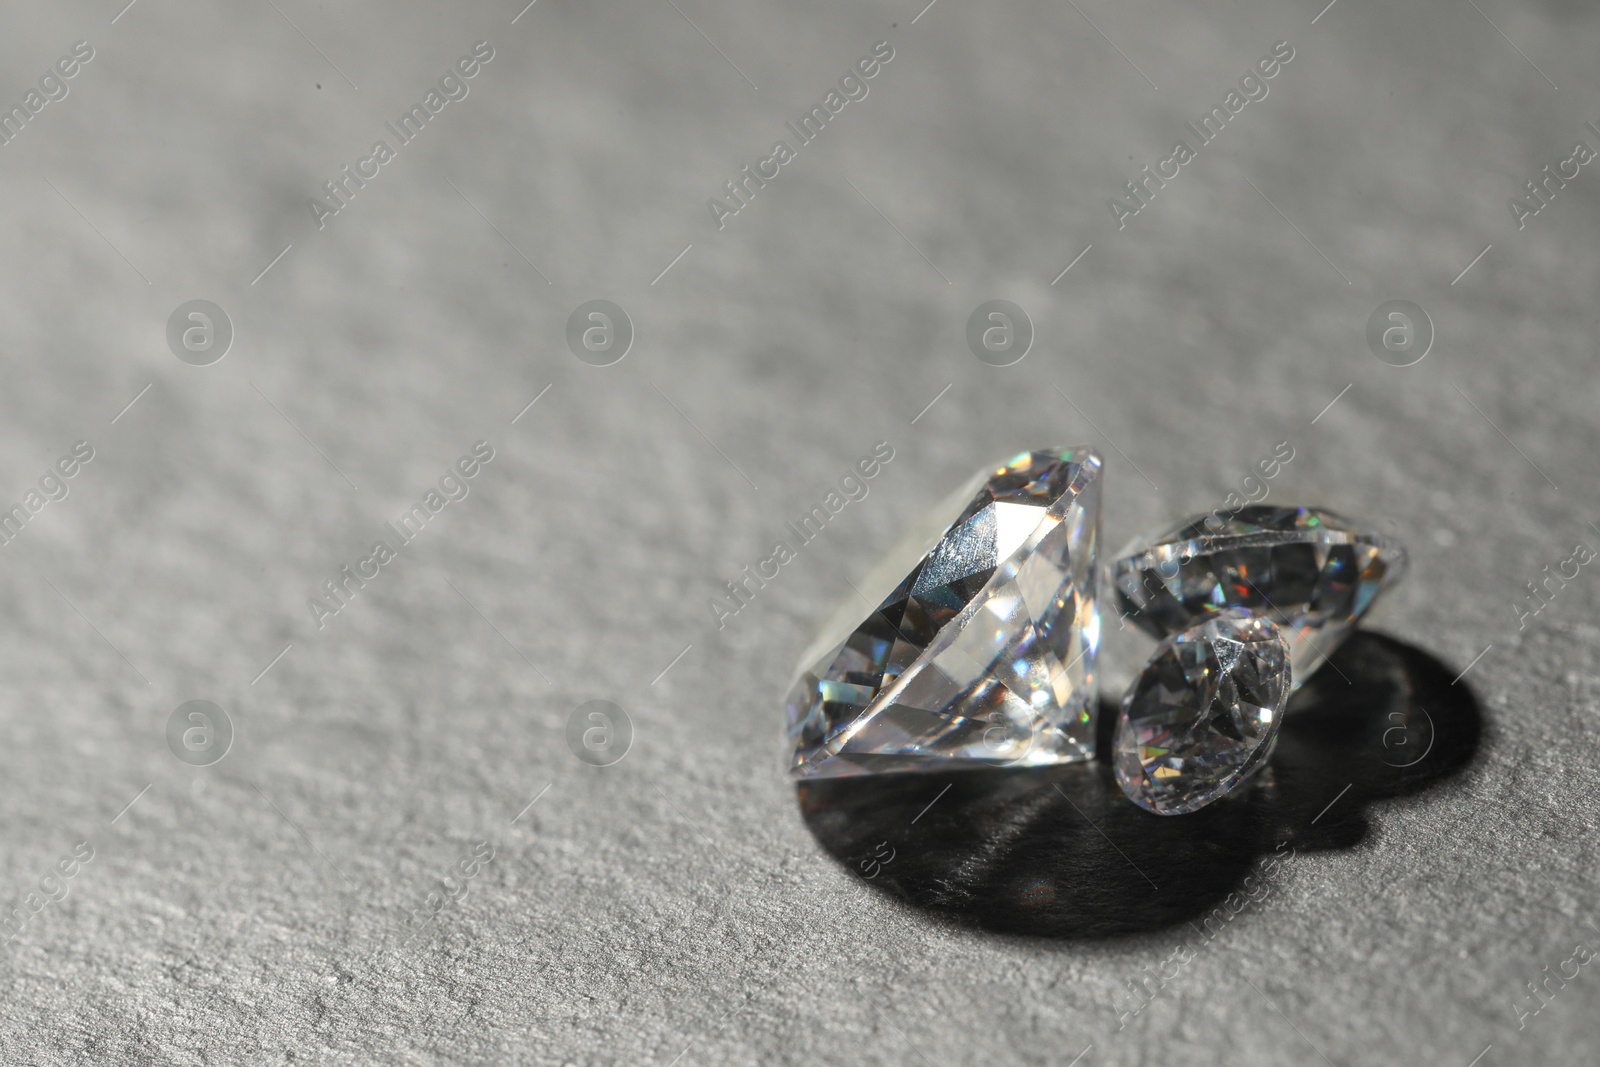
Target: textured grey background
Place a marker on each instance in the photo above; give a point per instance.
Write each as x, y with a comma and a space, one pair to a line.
673, 905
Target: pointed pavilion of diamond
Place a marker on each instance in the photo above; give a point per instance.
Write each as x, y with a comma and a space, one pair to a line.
1203, 714
1311, 571
981, 650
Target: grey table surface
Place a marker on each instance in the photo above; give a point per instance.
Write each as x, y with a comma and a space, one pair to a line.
672, 907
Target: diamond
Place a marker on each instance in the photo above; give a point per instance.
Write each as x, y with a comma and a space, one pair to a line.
1203, 714
1312, 572
981, 651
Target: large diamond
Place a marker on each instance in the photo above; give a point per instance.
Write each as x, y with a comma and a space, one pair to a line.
1312, 572
981, 651
1203, 714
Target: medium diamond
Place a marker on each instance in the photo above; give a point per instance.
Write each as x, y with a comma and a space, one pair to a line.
1203, 714
1312, 572
982, 649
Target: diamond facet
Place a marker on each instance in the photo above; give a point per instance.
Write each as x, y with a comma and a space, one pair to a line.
1312, 572
1203, 714
981, 651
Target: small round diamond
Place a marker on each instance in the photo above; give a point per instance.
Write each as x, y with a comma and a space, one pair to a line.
1203, 714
